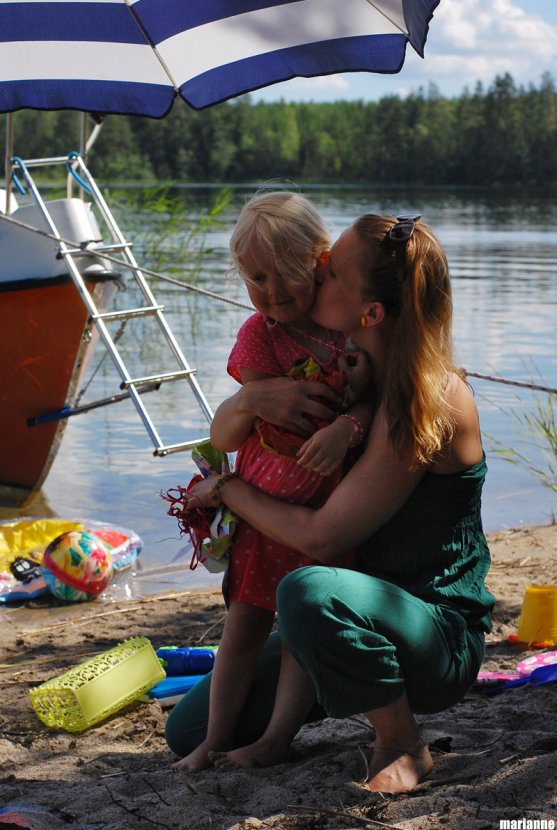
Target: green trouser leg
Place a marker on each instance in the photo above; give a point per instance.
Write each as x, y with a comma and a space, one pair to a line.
364, 641
186, 726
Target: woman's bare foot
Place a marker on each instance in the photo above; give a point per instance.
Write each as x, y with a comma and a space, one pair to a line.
398, 771
262, 753
196, 760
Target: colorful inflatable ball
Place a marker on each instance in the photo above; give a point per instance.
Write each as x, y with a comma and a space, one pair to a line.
77, 566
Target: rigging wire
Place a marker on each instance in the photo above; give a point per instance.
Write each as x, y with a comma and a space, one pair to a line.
95, 371
115, 261
213, 295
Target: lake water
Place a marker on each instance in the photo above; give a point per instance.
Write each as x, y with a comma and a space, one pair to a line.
503, 255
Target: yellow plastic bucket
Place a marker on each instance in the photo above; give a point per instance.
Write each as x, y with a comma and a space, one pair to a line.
538, 618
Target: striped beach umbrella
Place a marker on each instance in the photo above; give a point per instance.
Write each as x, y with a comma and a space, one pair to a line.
136, 56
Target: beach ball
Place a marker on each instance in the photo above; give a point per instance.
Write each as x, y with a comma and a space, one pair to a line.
77, 566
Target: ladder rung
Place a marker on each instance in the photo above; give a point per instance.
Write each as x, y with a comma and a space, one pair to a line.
127, 314
170, 448
157, 378
85, 251
45, 161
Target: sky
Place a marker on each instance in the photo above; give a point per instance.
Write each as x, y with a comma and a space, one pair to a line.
468, 41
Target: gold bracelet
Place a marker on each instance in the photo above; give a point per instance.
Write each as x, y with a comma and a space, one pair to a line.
215, 497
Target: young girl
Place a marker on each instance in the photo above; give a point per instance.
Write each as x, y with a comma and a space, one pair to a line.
277, 242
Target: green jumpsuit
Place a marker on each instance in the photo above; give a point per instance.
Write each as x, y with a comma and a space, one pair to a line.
412, 619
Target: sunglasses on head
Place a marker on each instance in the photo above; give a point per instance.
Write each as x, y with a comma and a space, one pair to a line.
398, 236
404, 228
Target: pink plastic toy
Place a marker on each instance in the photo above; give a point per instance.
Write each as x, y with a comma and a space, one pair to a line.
528, 665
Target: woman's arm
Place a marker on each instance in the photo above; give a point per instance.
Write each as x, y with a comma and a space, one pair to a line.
372, 492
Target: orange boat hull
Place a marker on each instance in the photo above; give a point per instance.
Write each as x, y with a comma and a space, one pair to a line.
42, 351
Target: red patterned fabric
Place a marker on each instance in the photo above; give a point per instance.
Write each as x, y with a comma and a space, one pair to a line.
257, 563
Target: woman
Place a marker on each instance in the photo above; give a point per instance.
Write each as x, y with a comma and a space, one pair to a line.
405, 634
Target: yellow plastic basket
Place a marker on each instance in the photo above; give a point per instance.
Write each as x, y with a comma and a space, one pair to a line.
99, 687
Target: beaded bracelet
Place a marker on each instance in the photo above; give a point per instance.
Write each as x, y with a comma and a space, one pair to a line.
359, 435
215, 497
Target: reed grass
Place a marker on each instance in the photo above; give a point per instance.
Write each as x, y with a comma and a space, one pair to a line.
535, 429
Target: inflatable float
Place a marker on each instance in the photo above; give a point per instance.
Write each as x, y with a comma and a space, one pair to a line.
23, 543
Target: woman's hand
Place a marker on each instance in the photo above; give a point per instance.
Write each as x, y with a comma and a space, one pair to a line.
201, 493
287, 403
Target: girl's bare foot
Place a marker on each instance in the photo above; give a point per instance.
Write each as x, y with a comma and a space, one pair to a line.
196, 760
396, 770
262, 753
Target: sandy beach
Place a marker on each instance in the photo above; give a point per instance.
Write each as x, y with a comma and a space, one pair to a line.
495, 756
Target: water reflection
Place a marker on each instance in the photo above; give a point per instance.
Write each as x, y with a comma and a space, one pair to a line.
503, 256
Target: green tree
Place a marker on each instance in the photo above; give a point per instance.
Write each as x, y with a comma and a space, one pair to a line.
506, 135
540, 131
469, 164
504, 148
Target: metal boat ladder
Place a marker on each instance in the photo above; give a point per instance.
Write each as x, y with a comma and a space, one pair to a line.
133, 387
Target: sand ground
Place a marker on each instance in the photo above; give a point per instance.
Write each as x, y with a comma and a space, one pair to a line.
495, 757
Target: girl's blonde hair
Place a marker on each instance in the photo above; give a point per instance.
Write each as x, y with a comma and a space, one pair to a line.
282, 229
412, 282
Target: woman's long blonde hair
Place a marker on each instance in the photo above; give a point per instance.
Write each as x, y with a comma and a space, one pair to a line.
412, 282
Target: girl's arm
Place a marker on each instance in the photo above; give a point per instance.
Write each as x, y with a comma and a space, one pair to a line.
281, 401
233, 420
325, 451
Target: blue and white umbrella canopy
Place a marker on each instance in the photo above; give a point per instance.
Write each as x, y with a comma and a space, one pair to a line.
134, 56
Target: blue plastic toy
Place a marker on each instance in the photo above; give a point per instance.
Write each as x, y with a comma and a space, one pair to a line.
187, 660
172, 689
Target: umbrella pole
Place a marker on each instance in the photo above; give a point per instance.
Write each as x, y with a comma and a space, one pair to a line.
85, 144
83, 136
8, 159
82, 153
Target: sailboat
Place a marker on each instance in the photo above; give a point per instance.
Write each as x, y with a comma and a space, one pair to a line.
56, 291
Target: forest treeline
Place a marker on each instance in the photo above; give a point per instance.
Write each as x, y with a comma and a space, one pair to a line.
500, 135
